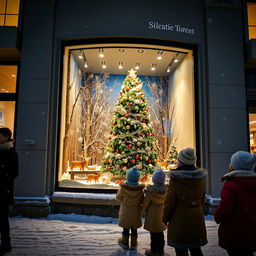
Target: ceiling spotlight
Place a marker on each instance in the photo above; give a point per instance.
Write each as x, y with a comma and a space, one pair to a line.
104, 65
153, 67
159, 57
85, 65
137, 65
80, 56
13, 75
120, 65
160, 53
140, 50
168, 70
101, 54
176, 60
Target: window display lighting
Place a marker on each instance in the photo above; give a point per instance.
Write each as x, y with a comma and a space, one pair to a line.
160, 53
159, 57
120, 65
85, 65
168, 70
104, 65
176, 60
101, 54
153, 67
80, 56
137, 66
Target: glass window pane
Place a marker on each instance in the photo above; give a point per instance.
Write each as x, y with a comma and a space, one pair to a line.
8, 79
252, 127
11, 20
251, 13
114, 125
252, 32
2, 6
7, 111
1, 20
13, 6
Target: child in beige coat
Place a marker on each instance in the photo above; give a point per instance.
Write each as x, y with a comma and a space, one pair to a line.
130, 195
153, 207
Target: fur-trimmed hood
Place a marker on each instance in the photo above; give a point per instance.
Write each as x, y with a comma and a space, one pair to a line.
188, 174
160, 189
238, 173
6, 145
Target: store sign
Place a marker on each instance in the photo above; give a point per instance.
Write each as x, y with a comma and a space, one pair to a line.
170, 27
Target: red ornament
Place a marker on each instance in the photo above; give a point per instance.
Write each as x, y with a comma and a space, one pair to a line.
114, 134
153, 134
129, 146
107, 160
109, 169
138, 134
137, 83
149, 161
126, 116
137, 156
143, 99
147, 134
143, 121
130, 104
129, 110
121, 93
138, 116
133, 161
117, 152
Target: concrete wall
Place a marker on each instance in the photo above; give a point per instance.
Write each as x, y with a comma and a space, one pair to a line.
226, 90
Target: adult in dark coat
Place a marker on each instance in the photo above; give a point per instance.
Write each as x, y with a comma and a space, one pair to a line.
8, 172
183, 206
236, 213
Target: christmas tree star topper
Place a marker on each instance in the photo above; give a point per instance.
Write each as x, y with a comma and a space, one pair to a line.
132, 72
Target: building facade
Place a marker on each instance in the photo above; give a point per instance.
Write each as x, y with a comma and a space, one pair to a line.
199, 56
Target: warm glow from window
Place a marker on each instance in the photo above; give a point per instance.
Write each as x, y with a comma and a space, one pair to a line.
9, 12
251, 9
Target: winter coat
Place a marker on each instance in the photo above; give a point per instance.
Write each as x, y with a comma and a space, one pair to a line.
183, 209
8, 172
153, 206
131, 200
237, 211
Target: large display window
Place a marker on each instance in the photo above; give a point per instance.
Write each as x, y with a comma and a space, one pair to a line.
123, 105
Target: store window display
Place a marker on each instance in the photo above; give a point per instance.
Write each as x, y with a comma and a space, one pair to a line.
121, 107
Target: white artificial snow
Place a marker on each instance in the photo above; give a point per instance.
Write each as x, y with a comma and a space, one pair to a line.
34, 200
84, 195
72, 234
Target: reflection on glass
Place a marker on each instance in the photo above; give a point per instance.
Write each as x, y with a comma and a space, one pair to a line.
7, 111
8, 79
9, 12
251, 10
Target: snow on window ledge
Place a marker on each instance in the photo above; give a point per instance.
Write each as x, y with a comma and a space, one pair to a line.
84, 195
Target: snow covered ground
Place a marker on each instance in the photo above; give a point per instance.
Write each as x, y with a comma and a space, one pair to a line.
71, 234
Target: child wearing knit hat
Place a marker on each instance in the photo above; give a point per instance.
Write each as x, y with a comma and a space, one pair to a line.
183, 206
153, 208
236, 212
130, 195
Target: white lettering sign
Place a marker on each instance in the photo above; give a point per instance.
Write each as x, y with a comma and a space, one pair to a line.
170, 27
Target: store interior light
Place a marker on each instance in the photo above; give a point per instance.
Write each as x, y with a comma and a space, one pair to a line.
104, 65
120, 65
101, 54
168, 70
159, 57
85, 65
13, 75
137, 66
253, 122
153, 67
176, 60
80, 56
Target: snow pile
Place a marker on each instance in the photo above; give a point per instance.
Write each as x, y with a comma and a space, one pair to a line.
84, 195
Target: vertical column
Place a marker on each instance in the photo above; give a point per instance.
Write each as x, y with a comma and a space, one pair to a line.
34, 97
226, 92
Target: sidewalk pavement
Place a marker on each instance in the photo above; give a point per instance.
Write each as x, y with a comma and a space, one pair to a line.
71, 234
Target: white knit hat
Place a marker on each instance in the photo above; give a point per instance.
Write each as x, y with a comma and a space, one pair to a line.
243, 160
187, 156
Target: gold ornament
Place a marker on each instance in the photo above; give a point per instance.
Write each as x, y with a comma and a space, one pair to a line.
123, 153
128, 127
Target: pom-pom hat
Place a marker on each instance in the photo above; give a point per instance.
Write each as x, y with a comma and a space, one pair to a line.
243, 160
132, 176
187, 156
158, 177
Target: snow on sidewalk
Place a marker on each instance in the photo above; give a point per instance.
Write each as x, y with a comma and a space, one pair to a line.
71, 234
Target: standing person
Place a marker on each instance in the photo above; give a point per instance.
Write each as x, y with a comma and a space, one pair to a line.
8, 172
130, 195
183, 206
153, 207
236, 213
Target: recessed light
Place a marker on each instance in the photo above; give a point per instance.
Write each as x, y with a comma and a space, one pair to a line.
101, 55
120, 65
176, 60
159, 57
140, 50
80, 56
137, 65
153, 68
168, 70
85, 65
13, 75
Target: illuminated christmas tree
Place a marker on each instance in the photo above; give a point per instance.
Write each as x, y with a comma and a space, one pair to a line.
173, 155
132, 141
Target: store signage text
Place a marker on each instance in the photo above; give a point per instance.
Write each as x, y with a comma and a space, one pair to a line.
170, 27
